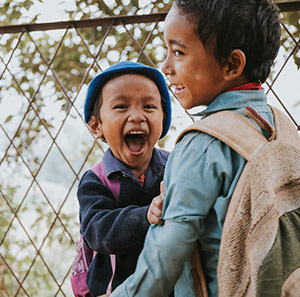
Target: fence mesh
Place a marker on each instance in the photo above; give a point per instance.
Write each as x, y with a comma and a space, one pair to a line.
45, 145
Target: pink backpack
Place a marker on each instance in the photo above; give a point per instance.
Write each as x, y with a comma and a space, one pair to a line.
85, 255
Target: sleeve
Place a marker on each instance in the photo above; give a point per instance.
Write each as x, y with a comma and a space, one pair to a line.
105, 227
193, 180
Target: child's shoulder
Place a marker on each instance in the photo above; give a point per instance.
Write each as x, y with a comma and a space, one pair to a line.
163, 152
160, 155
191, 138
88, 176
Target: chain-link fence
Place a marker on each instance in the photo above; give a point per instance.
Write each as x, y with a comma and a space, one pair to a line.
45, 145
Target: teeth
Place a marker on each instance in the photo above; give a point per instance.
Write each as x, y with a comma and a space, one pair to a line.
135, 132
178, 87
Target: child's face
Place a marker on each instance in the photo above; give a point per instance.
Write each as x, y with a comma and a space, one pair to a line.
194, 72
131, 119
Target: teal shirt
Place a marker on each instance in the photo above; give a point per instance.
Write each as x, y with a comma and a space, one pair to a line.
200, 177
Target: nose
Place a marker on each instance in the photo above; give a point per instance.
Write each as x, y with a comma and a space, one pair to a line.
136, 116
166, 67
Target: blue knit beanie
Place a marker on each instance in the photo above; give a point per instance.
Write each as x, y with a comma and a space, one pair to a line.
128, 67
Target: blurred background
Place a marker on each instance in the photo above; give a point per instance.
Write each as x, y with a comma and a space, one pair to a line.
49, 52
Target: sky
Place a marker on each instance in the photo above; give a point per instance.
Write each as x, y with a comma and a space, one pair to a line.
287, 86
53, 10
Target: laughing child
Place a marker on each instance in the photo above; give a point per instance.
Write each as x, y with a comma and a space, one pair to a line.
129, 107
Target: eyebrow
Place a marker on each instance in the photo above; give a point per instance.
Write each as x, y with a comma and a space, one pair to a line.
176, 42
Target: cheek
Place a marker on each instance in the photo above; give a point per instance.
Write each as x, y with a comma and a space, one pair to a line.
157, 124
197, 75
195, 72
189, 76
113, 128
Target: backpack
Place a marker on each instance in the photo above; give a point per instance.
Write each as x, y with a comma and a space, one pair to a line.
260, 244
85, 255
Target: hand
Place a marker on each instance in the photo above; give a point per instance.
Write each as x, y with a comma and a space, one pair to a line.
155, 208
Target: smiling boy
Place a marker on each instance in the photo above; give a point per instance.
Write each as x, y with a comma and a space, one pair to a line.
219, 53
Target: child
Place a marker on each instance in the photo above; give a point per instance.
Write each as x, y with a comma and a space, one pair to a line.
219, 53
128, 105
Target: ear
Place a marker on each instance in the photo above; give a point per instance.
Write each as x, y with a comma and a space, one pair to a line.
96, 127
235, 65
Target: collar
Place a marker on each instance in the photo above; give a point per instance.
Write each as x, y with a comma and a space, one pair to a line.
236, 99
247, 86
113, 166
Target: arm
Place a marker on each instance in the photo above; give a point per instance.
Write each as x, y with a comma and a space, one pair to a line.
106, 228
192, 183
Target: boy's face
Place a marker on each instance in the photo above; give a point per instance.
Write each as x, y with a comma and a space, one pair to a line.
195, 74
131, 119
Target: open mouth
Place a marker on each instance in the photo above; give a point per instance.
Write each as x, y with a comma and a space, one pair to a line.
179, 90
135, 141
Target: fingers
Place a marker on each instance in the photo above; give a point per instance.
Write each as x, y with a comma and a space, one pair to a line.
159, 222
156, 206
154, 220
162, 189
155, 211
158, 203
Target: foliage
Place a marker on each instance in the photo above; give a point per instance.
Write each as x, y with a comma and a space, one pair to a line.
292, 19
51, 69
46, 69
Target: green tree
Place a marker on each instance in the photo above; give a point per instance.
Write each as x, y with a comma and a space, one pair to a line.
292, 36
42, 70
45, 70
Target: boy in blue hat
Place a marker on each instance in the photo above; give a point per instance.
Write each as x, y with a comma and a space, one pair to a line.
128, 106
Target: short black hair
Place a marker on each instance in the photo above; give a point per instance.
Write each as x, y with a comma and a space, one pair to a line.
252, 26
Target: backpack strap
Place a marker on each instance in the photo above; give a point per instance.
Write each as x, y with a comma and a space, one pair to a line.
197, 273
114, 186
233, 129
85, 255
285, 129
246, 139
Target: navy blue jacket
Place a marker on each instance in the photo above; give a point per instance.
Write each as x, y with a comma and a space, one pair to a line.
117, 228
